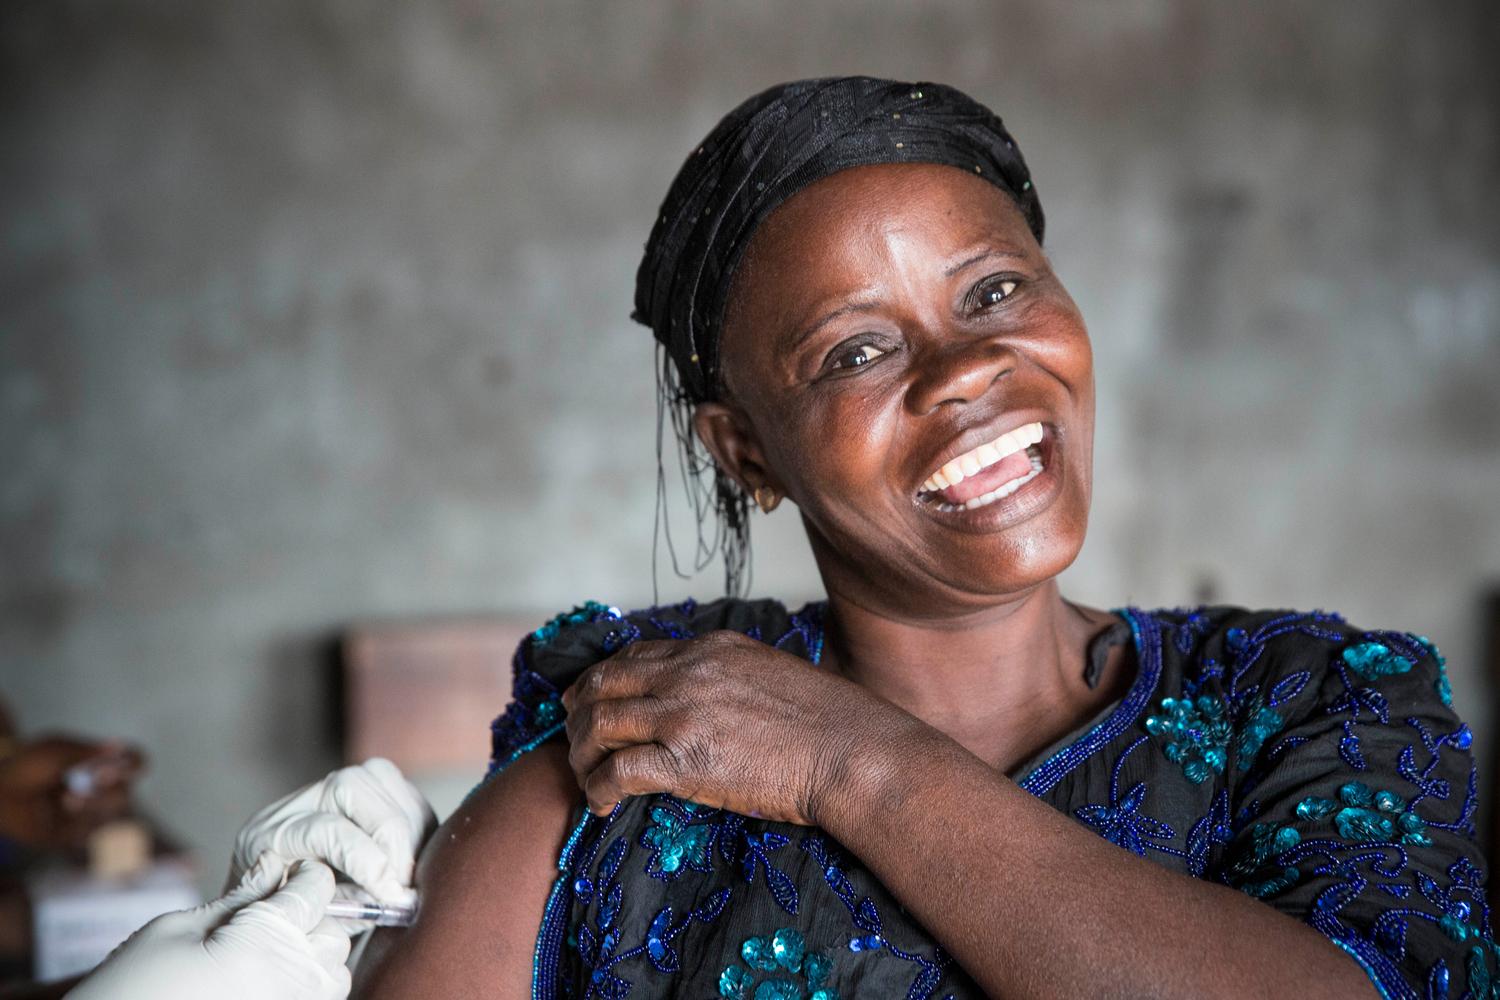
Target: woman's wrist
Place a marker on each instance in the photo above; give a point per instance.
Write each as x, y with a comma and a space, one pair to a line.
873, 770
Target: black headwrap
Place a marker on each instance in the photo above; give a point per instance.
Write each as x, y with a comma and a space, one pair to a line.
758, 156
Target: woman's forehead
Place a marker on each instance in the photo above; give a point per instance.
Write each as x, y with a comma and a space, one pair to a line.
842, 231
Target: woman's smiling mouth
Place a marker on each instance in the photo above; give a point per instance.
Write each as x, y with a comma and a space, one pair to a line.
990, 472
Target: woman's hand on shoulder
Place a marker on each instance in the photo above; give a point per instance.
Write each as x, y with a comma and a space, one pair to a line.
722, 720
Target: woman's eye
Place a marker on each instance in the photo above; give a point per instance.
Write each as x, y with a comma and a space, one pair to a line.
994, 291
854, 357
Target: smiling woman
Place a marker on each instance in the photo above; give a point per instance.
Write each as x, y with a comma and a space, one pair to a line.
945, 780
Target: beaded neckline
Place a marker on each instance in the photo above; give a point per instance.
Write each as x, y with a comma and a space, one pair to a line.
1146, 633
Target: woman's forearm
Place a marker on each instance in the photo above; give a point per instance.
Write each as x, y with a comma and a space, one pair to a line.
1033, 905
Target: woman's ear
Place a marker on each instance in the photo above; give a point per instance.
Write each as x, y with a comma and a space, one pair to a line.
726, 433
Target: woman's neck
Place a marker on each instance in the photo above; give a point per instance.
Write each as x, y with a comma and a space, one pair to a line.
1003, 682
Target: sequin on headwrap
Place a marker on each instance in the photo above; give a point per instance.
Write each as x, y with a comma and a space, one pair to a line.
758, 156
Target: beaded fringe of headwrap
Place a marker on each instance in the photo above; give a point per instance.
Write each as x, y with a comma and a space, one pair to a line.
762, 153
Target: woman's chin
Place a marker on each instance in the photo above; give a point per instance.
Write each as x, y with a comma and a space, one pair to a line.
994, 561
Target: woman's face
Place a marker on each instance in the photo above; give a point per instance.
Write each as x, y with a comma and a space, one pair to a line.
894, 341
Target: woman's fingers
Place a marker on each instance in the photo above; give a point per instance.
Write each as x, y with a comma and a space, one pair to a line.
621, 676
650, 649
643, 667
600, 727
635, 770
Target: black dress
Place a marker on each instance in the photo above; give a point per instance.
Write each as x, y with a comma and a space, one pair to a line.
1313, 765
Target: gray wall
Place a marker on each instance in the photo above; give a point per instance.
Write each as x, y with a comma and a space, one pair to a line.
313, 313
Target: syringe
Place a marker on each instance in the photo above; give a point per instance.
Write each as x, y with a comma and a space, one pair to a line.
377, 913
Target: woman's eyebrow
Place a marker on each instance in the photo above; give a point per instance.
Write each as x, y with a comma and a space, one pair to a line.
975, 256
985, 254
828, 317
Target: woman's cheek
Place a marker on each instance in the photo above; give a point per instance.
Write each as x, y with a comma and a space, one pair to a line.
837, 441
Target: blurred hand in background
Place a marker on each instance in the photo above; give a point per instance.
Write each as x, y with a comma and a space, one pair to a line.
55, 790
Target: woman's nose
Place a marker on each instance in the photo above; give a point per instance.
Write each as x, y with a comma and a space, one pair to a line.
959, 373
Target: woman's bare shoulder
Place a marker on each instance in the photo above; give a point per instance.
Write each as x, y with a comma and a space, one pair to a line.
484, 878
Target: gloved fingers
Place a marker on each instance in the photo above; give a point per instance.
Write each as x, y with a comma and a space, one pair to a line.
301, 902
380, 801
377, 796
337, 841
258, 832
268, 957
284, 945
264, 876
329, 942
419, 815
339, 982
258, 881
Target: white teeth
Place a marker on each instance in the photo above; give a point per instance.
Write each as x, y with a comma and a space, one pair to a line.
958, 469
1008, 488
1002, 491
934, 483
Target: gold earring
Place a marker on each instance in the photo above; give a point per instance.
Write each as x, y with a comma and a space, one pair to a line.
767, 498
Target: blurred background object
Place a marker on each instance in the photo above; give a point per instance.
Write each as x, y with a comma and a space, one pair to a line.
80, 867
422, 694
314, 313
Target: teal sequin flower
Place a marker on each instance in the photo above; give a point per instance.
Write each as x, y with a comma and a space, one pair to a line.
585, 612
1256, 871
1372, 660
1367, 816
1198, 733
757, 954
1261, 724
816, 968
788, 948
674, 842
735, 982
784, 952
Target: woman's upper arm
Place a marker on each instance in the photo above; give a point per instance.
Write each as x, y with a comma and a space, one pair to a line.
484, 879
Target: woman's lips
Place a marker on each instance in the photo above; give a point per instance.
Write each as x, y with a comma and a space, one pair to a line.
1016, 500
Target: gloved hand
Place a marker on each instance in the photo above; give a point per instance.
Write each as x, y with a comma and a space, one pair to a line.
367, 821
256, 943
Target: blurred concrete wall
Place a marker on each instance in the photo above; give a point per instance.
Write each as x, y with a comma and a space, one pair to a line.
315, 310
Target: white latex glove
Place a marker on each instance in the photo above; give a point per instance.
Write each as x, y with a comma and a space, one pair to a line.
366, 821
256, 943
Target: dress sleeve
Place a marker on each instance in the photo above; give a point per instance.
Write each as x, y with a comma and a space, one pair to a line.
545, 664
1358, 818
550, 659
